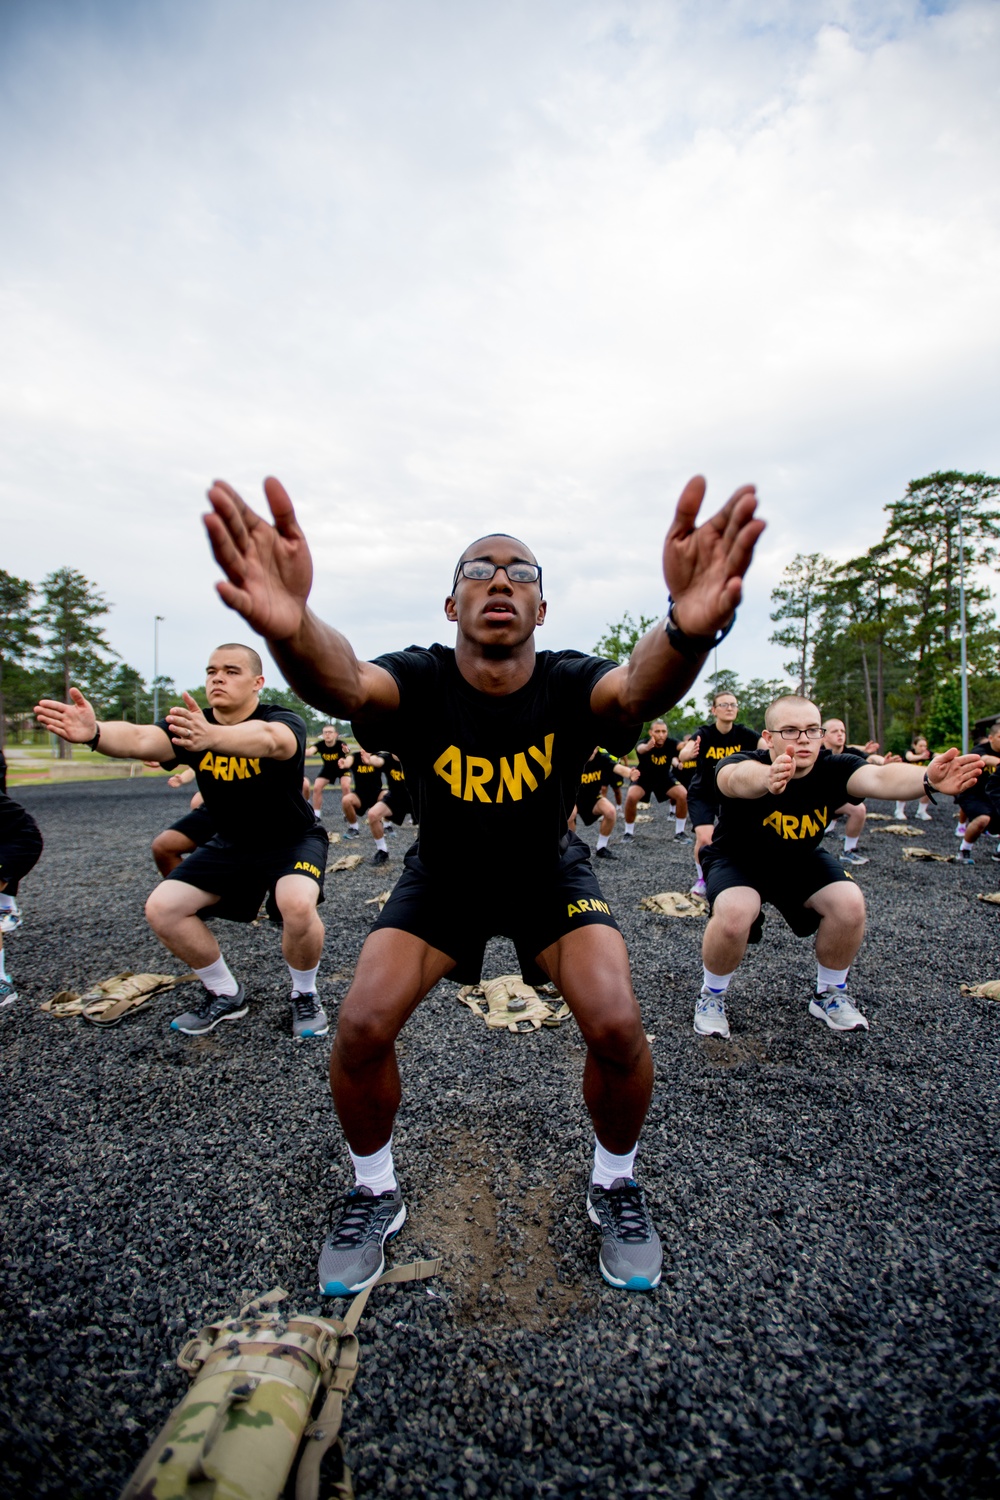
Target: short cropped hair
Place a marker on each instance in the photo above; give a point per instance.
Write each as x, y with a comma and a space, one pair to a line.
724, 693
834, 720
253, 658
794, 699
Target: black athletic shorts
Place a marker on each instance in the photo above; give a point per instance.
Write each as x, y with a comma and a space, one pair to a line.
19, 853
398, 804
701, 813
197, 825
661, 793
369, 793
788, 895
589, 814
976, 804
460, 915
244, 875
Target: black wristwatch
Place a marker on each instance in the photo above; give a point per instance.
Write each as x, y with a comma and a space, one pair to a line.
929, 789
692, 646
93, 744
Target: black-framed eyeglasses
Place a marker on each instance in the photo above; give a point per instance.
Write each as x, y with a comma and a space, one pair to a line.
814, 732
480, 570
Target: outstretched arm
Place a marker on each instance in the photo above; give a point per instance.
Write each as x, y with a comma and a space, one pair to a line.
269, 575
703, 567
76, 722
949, 773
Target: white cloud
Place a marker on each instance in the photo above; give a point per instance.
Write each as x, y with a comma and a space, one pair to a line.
444, 267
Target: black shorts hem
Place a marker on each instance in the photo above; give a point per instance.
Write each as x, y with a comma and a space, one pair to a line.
455, 921
811, 873
18, 859
242, 878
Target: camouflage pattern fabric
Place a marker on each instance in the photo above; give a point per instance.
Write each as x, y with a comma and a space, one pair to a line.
255, 1379
380, 899
346, 862
675, 904
928, 854
508, 1004
993, 898
901, 830
988, 991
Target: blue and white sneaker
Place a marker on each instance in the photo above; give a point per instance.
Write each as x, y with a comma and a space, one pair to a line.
8, 994
308, 1016
214, 1008
631, 1255
838, 1010
10, 918
352, 1256
710, 1014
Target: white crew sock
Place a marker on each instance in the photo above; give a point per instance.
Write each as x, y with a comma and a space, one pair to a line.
900, 810
717, 983
603, 840
828, 979
630, 830
3, 966
303, 980
850, 845
381, 844
319, 815
680, 824
608, 1167
6, 902
376, 1171
966, 846
217, 978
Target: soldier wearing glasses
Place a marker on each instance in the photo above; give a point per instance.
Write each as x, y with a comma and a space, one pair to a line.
775, 805
493, 736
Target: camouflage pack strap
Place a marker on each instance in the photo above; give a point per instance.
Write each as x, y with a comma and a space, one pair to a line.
323, 1434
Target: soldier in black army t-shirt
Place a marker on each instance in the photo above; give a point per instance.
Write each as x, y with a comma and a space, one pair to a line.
979, 813
335, 758
775, 804
393, 802
713, 743
654, 778
591, 802
247, 758
493, 737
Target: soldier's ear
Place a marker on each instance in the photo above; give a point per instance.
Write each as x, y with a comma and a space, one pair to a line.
450, 609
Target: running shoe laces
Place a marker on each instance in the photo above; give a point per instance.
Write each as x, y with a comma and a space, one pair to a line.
361, 1219
624, 1207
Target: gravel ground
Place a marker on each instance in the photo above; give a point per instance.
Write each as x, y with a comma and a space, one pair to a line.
827, 1321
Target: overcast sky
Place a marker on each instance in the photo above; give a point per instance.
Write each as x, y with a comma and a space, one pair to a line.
448, 266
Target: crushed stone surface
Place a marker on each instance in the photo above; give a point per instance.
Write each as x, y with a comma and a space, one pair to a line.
827, 1324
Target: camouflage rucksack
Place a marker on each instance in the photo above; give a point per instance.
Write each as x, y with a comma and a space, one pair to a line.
254, 1382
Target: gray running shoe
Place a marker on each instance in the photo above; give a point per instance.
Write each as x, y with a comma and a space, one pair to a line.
852, 857
352, 1256
8, 994
964, 857
215, 1008
710, 1014
683, 838
631, 1256
10, 918
308, 1016
838, 1010
352, 831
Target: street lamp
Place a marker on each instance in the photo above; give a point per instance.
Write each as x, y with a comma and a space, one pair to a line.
961, 617
156, 666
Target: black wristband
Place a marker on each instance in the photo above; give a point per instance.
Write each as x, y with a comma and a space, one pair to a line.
691, 646
93, 744
929, 789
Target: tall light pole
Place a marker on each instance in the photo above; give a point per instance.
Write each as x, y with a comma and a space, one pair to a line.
156, 666
961, 616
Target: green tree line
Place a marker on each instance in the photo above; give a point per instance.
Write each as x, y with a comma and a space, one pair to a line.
52, 637
876, 640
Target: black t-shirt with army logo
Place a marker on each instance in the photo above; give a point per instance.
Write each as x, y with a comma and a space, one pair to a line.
493, 779
367, 780
253, 800
714, 748
758, 831
597, 773
330, 755
655, 774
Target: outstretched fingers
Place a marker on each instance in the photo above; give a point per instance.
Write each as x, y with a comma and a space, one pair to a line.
282, 509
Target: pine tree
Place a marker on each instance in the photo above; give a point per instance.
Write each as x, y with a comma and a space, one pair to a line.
17, 635
71, 606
